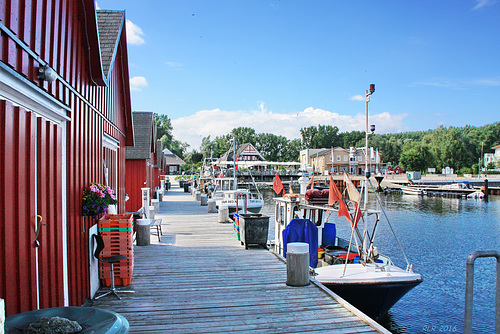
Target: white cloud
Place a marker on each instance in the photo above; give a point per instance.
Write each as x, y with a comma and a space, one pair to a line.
216, 122
137, 83
483, 3
134, 34
173, 64
357, 98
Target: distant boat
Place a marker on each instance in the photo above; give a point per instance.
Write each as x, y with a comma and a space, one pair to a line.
414, 191
236, 200
476, 195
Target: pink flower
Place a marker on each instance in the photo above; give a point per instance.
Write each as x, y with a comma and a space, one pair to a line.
112, 196
100, 194
94, 188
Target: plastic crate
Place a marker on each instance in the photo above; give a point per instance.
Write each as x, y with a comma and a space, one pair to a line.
122, 220
122, 281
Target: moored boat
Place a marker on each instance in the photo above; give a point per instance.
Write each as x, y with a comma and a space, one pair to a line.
353, 268
368, 280
414, 191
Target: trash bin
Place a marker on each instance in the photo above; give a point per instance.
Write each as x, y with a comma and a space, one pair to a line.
143, 232
254, 229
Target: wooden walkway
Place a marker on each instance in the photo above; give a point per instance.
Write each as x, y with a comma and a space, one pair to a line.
199, 279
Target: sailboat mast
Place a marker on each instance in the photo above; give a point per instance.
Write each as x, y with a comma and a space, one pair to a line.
235, 181
367, 172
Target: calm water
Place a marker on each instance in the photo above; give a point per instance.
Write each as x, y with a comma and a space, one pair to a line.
437, 234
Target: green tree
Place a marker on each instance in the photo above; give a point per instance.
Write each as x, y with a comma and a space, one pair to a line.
416, 157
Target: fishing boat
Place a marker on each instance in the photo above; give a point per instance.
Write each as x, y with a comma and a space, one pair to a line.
353, 269
414, 191
352, 266
227, 194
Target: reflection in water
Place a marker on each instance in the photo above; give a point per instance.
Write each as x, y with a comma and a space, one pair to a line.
437, 234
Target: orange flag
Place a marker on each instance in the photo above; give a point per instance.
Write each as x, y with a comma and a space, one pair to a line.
343, 212
334, 194
357, 215
277, 185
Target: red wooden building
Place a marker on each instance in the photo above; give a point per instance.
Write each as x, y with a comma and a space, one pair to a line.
140, 160
58, 133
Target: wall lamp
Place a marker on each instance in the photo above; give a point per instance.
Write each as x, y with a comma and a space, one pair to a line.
45, 73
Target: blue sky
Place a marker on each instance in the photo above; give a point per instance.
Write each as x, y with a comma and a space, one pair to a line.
278, 66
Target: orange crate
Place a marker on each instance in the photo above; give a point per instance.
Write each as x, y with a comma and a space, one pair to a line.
112, 239
122, 269
117, 250
123, 220
122, 281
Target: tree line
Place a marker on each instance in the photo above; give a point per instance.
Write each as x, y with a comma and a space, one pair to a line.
457, 147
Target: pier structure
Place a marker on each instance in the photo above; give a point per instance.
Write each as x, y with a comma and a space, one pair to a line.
199, 278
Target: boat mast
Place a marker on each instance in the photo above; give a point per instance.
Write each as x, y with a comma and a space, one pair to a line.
235, 184
367, 172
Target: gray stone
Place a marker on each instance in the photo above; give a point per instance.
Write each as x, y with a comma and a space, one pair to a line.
54, 325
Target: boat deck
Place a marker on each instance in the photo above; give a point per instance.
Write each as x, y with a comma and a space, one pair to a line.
199, 279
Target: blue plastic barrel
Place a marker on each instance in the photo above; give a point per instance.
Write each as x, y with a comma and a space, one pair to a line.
329, 234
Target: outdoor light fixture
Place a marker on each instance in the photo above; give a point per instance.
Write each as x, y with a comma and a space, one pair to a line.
372, 128
45, 73
372, 88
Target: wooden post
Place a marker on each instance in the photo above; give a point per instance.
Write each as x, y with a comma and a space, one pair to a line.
297, 264
143, 232
212, 206
204, 200
224, 214
486, 190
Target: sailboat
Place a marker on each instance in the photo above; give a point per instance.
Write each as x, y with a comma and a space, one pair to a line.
238, 200
352, 267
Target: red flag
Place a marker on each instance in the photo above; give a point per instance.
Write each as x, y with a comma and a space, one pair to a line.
334, 193
277, 185
311, 182
357, 215
343, 212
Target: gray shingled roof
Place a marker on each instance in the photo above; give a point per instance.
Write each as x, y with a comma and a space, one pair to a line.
109, 23
143, 132
172, 159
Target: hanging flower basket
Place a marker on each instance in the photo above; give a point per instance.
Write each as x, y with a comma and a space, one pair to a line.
96, 199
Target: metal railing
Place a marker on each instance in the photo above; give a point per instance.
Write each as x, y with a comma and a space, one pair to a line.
469, 289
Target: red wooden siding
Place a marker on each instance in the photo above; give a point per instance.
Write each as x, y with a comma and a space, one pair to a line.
49, 207
138, 177
34, 32
17, 233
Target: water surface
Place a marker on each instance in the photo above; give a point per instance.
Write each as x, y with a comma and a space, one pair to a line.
437, 235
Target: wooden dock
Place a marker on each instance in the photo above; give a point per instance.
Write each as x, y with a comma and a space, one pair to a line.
199, 279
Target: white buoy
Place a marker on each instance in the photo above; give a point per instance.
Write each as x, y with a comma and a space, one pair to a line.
297, 264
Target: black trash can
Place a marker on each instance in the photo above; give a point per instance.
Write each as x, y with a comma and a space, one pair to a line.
186, 186
254, 228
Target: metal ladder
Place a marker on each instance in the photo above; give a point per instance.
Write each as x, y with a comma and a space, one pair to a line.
469, 289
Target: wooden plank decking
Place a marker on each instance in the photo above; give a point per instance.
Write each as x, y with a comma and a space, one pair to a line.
199, 279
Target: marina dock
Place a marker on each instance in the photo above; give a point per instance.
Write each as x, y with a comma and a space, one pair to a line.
199, 279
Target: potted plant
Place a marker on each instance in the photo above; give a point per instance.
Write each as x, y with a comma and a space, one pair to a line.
96, 200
